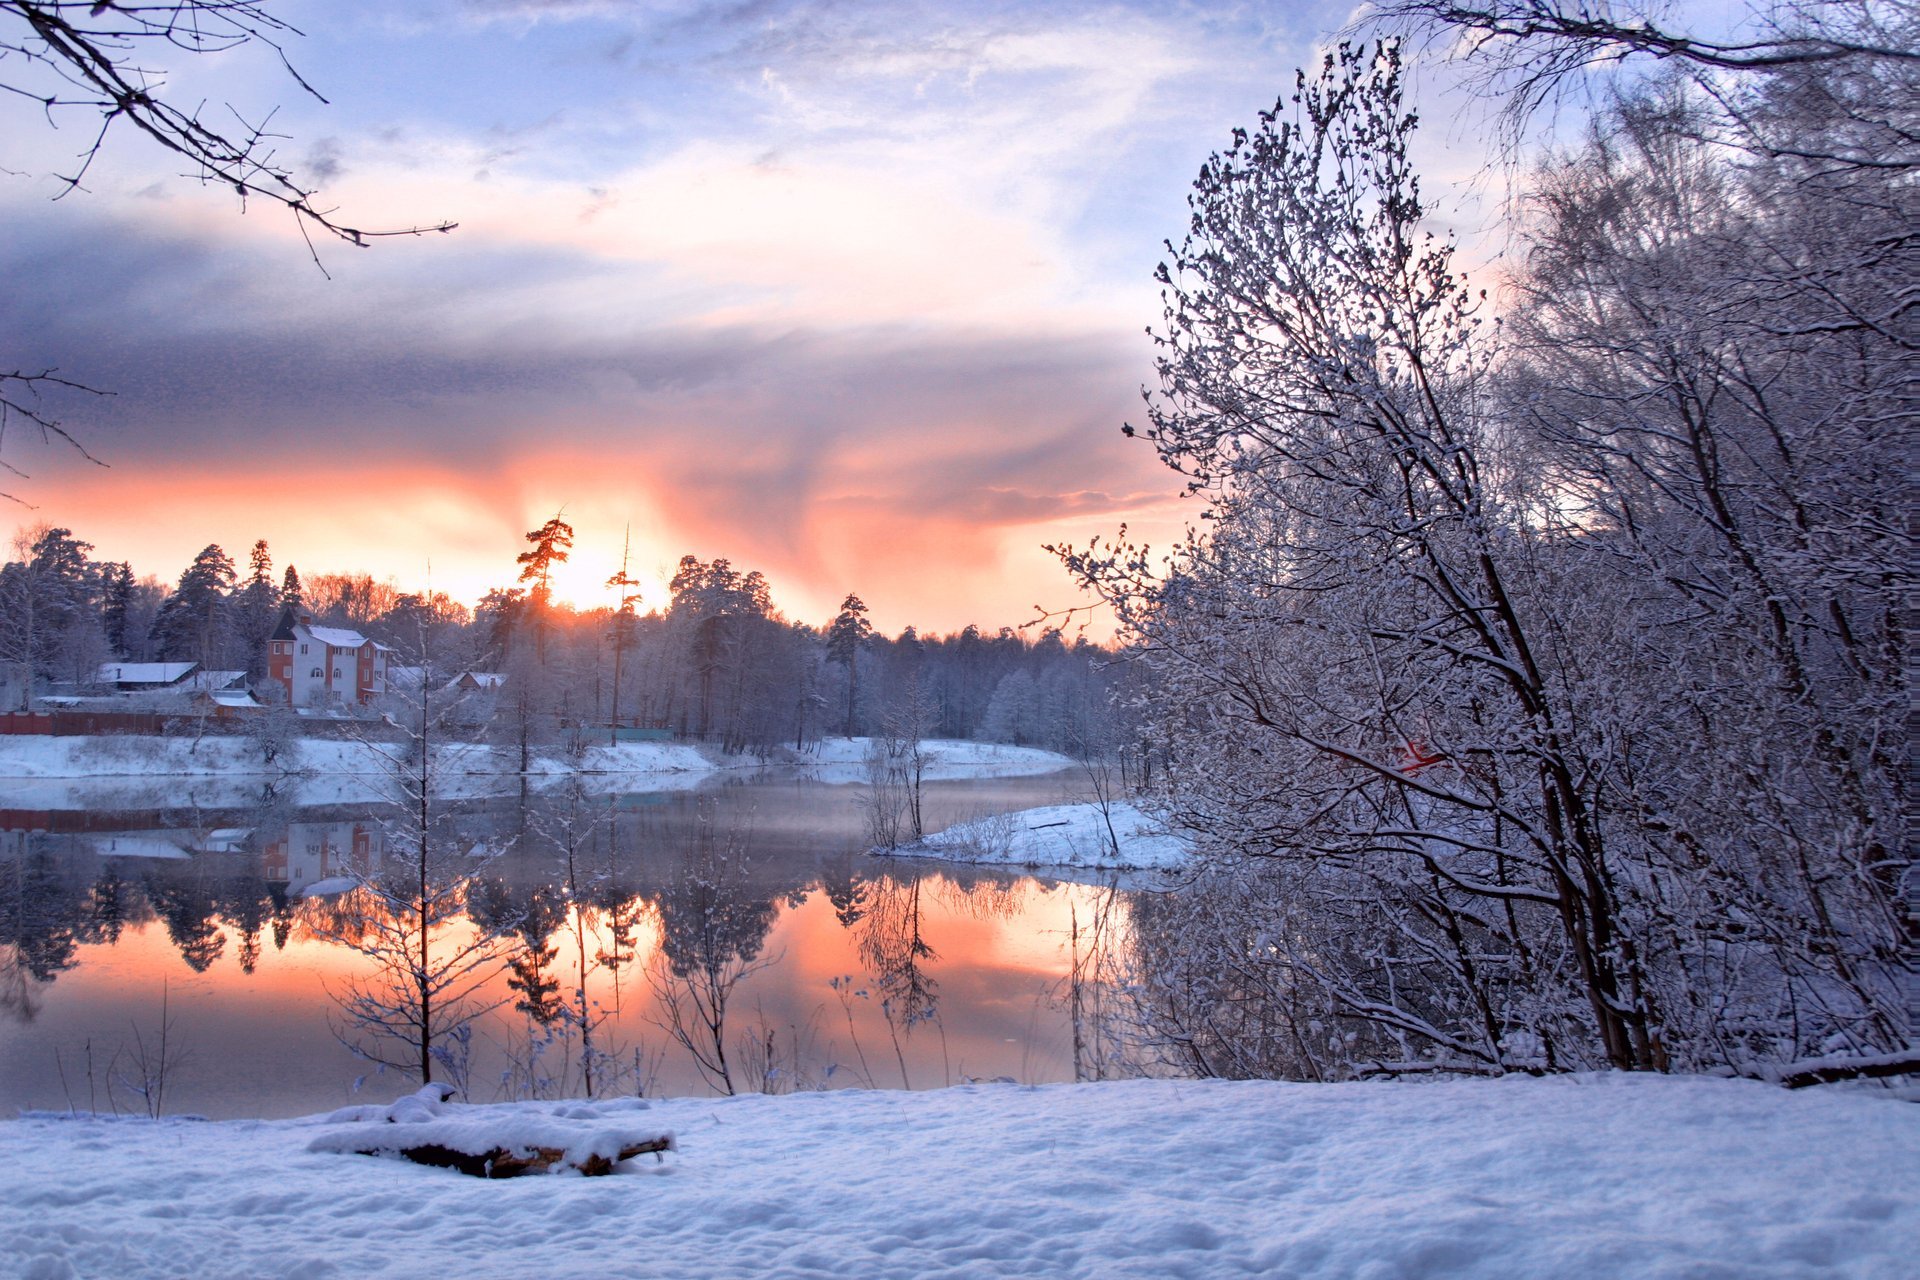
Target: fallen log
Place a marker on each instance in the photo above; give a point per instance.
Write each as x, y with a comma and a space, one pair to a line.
1804, 1075
507, 1162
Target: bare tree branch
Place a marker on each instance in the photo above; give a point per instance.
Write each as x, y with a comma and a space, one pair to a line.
20, 400
91, 48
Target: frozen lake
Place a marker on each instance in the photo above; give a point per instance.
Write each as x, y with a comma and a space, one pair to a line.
844, 970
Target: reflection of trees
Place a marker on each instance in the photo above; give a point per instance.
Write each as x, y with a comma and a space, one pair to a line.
428, 961
712, 930
185, 906
846, 889
986, 897
42, 920
245, 902
111, 902
541, 911
196, 898
577, 898
893, 945
428, 964
586, 838
622, 912
46, 914
283, 913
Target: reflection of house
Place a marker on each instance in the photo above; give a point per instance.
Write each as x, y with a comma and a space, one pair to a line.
312, 853
479, 681
325, 666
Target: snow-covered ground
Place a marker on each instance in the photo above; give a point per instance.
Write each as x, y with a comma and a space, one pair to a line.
845, 759
113, 772
1063, 836
118, 756
1590, 1176
128, 772
110, 756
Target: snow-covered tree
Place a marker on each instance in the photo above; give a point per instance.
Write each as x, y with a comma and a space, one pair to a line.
1534, 688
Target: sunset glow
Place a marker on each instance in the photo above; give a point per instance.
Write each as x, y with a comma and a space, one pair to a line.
853, 299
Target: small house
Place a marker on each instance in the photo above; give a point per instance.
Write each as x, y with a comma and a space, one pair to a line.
321, 666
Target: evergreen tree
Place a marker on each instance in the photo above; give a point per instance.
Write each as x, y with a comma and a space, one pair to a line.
551, 542
116, 599
193, 623
258, 610
846, 635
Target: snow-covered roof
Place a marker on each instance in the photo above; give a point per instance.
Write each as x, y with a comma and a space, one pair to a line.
338, 637
482, 679
143, 672
216, 679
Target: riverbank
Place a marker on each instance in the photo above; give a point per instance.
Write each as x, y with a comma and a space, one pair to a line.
107, 771
1598, 1175
1067, 837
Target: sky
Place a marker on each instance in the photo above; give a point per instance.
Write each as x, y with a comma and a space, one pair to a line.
851, 293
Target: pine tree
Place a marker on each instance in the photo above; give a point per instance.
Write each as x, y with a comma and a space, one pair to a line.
847, 634
259, 610
116, 598
551, 542
193, 622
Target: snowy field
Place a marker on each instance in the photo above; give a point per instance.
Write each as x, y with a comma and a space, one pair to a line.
1599, 1176
1062, 836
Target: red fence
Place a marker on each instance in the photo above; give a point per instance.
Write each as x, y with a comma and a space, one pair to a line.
69, 723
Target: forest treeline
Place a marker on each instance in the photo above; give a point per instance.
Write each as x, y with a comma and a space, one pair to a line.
716, 661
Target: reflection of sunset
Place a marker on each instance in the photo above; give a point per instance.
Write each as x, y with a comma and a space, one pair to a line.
942, 973
270, 1033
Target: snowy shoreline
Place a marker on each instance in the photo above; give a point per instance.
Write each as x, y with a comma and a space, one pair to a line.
122, 771
1596, 1175
1077, 837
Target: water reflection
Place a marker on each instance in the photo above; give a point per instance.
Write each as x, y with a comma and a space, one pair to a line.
723, 939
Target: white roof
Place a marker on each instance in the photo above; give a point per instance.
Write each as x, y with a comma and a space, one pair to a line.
143, 672
338, 637
485, 679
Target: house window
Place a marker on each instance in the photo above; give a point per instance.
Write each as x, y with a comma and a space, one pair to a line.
317, 673
303, 653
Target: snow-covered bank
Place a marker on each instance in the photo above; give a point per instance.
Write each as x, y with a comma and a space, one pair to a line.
126, 772
117, 756
111, 756
111, 772
845, 759
1064, 836
1571, 1177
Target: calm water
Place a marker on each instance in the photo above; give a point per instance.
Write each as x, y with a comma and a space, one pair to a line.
836, 969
